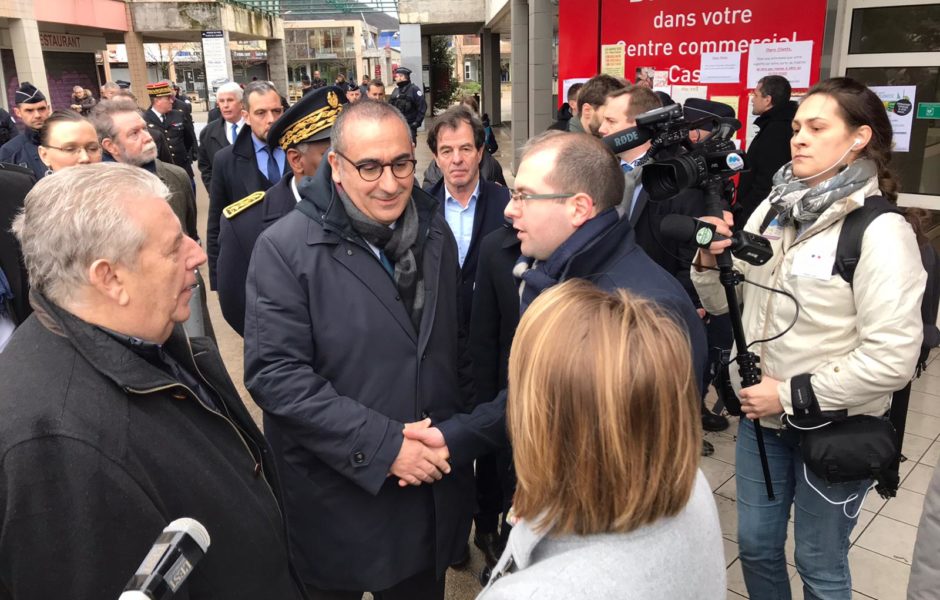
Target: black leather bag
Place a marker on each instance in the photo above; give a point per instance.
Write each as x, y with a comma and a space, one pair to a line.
854, 449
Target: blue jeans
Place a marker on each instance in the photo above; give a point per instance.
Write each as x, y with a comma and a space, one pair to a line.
821, 529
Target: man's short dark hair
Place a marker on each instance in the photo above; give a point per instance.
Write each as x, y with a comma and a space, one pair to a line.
452, 118
777, 87
595, 91
583, 164
257, 87
573, 91
642, 99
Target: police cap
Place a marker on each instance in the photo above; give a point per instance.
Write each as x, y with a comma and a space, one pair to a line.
310, 119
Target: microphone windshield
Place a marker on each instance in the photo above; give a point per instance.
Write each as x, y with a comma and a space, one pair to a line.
679, 228
193, 528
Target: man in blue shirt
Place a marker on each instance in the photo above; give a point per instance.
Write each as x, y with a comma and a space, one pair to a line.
473, 208
247, 166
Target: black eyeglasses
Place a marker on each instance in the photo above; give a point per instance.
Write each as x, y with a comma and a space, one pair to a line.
371, 170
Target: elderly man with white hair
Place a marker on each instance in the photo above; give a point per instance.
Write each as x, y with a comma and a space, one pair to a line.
114, 422
221, 132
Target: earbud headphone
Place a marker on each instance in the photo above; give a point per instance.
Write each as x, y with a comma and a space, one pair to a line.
856, 142
836, 164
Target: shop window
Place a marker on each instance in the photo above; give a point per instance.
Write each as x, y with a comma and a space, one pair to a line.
895, 29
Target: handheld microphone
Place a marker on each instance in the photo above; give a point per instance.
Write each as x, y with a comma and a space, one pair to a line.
747, 246
170, 561
627, 139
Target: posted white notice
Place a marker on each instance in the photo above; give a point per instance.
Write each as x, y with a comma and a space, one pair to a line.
899, 104
720, 67
788, 59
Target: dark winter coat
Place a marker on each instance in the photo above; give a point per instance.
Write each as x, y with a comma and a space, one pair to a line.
614, 261
211, 139
333, 359
109, 449
769, 150
15, 182
23, 150
235, 175
237, 236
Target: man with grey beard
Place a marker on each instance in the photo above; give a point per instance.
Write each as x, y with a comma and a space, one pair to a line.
125, 138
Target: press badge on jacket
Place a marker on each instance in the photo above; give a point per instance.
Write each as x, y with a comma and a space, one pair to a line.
815, 260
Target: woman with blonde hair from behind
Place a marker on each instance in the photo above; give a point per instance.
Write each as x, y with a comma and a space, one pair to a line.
603, 414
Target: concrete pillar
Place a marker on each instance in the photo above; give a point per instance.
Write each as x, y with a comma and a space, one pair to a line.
540, 65
137, 65
489, 54
27, 54
424, 81
277, 64
412, 54
520, 77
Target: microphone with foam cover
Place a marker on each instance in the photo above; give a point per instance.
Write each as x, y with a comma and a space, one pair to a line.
747, 246
171, 559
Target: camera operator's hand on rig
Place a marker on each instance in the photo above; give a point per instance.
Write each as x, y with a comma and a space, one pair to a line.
706, 256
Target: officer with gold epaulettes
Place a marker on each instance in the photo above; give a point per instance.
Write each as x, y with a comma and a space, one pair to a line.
179, 135
304, 134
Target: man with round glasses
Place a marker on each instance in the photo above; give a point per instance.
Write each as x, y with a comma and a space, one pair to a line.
351, 335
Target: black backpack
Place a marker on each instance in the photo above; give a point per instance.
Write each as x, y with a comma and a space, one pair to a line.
848, 251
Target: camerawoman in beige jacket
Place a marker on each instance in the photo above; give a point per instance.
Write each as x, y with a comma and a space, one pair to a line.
860, 342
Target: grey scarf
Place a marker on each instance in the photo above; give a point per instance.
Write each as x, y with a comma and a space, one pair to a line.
794, 201
400, 246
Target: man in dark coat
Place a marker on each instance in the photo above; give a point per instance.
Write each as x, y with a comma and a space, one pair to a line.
143, 426
23, 150
303, 132
570, 217
351, 333
172, 123
249, 165
770, 148
15, 181
221, 132
408, 99
473, 207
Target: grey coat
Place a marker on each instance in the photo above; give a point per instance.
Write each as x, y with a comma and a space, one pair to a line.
678, 558
925, 570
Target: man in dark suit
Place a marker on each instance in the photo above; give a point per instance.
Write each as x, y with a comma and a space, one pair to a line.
172, 123
221, 132
473, 207
247, 166
351, 334
303, 132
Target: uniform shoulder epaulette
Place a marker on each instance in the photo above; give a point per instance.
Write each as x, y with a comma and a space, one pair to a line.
233, 209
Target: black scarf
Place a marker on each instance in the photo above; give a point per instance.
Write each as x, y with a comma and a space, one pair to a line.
537, 278
400, 245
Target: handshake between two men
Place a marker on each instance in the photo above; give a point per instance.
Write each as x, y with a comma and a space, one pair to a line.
423, 457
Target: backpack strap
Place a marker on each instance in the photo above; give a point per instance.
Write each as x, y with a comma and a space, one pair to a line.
772, 213
849, 247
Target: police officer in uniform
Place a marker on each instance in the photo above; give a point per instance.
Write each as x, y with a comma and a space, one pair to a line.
303, 132
23, 150
179, 136
408, 99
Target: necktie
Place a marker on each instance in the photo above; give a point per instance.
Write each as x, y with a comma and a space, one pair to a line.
386, 263
627, 167
274, 173
234, 131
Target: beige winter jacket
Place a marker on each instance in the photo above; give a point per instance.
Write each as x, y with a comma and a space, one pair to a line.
860, 345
